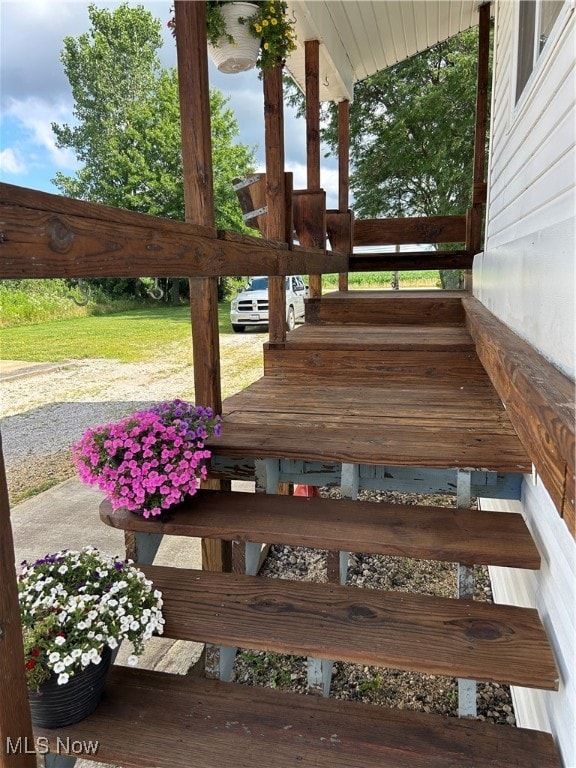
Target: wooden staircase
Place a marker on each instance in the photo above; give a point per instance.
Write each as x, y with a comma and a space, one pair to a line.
207, 724
153, 719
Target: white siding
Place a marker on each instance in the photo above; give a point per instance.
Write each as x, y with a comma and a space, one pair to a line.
552, 590
526, 274
526, 277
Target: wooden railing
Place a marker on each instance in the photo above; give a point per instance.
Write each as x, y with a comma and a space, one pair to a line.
44, 235
425, 230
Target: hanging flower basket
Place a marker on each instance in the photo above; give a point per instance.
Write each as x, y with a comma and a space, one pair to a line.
242, 54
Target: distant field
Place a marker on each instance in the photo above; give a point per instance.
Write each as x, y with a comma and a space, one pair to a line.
423, 279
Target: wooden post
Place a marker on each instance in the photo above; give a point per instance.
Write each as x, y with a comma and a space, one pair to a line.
475, 215
16, 736
199, 209
343, 171
275, 194
312, 75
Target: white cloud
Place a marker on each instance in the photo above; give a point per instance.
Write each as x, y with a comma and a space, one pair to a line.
36, 117
10, 162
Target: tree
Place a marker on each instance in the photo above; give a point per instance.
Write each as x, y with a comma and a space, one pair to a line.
127, 131
412, 133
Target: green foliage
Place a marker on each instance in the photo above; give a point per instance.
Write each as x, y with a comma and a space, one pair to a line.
25, 302
127, 129
32, 301
412, 133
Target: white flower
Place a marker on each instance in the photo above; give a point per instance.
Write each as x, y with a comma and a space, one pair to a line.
85, 659
59, 640
63, 569
68, 660
76, 653
63, 678
112, 643
59, 667
135, 625
54, 657
132, 660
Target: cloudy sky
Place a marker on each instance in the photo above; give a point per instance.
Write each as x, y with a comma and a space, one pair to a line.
34, 92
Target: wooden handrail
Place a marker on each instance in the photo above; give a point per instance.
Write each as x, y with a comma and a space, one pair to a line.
539, 400
45, 236
404, 231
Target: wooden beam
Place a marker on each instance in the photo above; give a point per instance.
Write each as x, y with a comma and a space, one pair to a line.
15, 720
314, 231
251, 193
410, 260
339, 230
479, 189
309, 209
476, 213
45, 236
199, 209
344, 175
539, 400
404, 231
312, 75
275, 193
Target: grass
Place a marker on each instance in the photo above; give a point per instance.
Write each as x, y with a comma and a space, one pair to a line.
142, 335
135, 336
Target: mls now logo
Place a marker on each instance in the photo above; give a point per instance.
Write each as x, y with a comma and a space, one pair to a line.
41, 746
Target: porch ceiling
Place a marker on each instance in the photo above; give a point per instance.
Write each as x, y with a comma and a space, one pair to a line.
361, 38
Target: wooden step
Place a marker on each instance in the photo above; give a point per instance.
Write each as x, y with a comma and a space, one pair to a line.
388, 338
404, 366
430, 533
458, 638
388, 308
194, 723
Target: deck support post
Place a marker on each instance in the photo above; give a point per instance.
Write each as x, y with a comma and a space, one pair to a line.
312, 75
275, 194
343, 172
15, 719
466, 688
142, 547
319, 676
52, 760
349, 483
476, 212
199, 209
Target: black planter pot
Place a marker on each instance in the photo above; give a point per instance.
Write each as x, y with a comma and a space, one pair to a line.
54, 706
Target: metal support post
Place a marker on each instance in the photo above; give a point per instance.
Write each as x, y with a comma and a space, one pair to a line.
466, 688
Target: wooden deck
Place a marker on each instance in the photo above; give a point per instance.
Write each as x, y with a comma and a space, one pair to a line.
403, 395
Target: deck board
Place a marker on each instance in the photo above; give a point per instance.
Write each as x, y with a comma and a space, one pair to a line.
386, 338
400, 630
404, 395
195, 723
431, 533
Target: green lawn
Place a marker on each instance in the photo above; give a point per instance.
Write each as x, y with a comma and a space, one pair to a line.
133, 336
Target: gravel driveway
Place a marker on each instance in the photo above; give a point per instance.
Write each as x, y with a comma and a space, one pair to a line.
46, 408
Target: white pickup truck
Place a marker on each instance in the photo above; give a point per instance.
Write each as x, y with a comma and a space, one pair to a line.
250, 307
